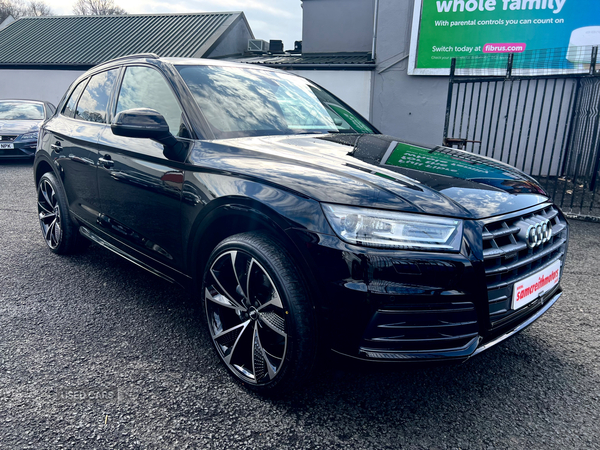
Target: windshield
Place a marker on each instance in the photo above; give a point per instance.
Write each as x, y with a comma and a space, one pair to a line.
21, 111
240, 102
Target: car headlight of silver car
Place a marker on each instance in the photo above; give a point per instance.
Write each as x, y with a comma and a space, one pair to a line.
389, 229
31, 136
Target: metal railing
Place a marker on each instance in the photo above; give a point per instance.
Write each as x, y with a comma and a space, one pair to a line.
538, 111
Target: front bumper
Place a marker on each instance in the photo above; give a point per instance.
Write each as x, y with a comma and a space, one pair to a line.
384, 305
21, 150
474, 346
544, 307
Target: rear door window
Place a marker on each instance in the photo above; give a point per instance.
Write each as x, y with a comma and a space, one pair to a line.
51, 109
93, 104
69, 109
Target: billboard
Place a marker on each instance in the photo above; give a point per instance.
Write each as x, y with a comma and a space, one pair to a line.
446, 29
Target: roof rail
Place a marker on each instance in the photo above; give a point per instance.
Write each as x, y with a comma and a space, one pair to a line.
135, 56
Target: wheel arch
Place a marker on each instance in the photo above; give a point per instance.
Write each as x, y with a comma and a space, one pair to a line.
239, 215
41, 168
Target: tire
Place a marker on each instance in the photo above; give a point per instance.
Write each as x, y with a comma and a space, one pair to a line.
259, 314
58, 231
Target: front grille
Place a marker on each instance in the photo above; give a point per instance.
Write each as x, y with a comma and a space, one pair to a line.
8, 138
434, 328
508, 259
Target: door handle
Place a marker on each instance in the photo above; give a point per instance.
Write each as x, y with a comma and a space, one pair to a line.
56, 147
106, 161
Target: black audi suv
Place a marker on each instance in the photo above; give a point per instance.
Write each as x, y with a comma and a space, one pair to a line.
298, 226
19, 124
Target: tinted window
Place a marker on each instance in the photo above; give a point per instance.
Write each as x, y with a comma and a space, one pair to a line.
252, 102
21, 111
144, 87
93, 103
69, 109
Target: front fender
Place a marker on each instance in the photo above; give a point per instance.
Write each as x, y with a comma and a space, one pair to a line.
216, 205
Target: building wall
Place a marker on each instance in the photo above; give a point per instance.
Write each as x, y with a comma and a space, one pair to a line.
408, 106
353, 87
234, 42
49, 85
334, 26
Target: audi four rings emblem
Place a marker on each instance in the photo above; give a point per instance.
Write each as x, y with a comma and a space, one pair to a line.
539, 233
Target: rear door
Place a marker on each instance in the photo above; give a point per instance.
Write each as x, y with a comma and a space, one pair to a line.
73, 137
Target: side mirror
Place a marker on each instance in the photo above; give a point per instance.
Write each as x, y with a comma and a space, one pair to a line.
141, 123
150, 124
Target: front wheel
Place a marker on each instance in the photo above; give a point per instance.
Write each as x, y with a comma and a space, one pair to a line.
259, 315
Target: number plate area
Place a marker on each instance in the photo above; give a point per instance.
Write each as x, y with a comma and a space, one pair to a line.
6, 146
536, 285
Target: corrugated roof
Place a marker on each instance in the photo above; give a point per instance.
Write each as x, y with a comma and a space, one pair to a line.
89, 40
360, 60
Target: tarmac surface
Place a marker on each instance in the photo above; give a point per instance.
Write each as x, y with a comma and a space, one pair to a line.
97, 353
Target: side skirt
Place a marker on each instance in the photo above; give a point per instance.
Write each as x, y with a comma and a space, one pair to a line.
98, 240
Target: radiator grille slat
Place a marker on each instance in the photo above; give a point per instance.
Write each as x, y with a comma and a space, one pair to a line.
527, 260
487, 235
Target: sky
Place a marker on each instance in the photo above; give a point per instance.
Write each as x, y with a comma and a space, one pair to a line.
268, 19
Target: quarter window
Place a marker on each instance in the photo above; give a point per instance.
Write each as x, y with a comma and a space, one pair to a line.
144, 87
69, 109
93, 104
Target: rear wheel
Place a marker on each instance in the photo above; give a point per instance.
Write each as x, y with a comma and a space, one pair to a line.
58, 231
258, 312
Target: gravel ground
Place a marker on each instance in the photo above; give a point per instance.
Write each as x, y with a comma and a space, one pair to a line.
94, 325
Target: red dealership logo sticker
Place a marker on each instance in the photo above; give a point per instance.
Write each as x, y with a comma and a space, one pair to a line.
536, 285
524, 291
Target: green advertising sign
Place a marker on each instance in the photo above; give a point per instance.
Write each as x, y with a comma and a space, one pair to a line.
446, 29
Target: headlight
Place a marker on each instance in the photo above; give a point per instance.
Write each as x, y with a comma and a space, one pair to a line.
388, 229
31, 136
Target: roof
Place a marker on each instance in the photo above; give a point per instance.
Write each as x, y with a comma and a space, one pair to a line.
84, 41
6, 22
361, 61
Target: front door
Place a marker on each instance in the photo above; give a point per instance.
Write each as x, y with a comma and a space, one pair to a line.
140, 188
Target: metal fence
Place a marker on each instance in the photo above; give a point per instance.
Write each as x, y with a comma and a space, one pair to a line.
538, 111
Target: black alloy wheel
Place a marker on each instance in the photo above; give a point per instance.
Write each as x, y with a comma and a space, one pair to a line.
259, 316
57, 229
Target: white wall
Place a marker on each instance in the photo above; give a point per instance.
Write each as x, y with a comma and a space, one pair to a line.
49, 85
352, 86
